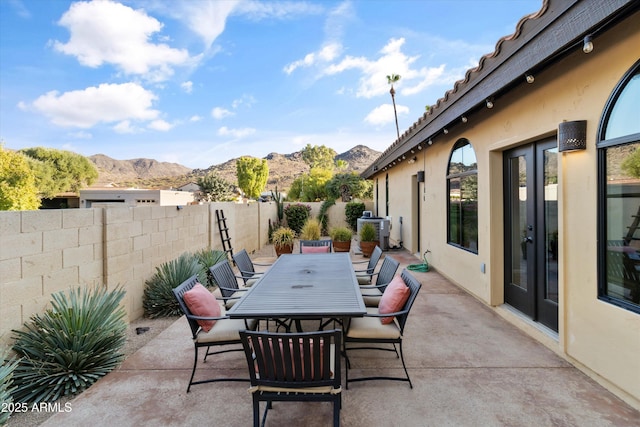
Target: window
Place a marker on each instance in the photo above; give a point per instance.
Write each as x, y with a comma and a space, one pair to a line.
619, 195
462, 187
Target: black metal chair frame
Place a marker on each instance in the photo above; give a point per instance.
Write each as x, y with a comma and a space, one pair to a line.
246, 267
383, 277
297, 368
374, 258
317, 243
179, 292
400, 319
227, 281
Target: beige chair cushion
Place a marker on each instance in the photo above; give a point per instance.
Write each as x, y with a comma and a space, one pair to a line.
251, 282
225, 330
363, 279
371, 328
236, 297
371, 297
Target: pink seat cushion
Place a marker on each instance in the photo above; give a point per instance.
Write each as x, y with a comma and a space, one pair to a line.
201, 302
315, 249
393, 299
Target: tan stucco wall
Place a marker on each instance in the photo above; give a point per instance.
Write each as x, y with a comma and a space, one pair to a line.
600, 337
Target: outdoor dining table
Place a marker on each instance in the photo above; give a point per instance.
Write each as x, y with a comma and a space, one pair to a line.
304, 286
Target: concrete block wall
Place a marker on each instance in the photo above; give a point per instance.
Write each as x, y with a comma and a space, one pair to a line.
48, 251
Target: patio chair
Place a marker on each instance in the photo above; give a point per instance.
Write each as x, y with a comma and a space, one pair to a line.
316, 246
383, 325
246, 267
227, 281
364, 276
300, 367
210, 327
372, 294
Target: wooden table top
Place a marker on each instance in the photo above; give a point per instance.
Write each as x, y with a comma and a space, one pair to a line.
304, 286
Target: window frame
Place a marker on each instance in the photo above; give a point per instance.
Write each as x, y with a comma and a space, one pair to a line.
602, 145
460, 143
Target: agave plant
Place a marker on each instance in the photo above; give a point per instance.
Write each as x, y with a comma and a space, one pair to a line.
158, 299
6, 387
70, 346
208, 258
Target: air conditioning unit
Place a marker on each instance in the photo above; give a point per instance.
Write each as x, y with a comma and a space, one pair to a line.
382, 226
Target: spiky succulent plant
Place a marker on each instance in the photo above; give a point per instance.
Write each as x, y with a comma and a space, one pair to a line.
70, 346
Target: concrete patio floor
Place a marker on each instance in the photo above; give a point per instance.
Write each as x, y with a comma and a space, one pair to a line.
468, 365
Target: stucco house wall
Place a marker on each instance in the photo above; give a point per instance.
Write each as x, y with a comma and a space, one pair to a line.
601, 338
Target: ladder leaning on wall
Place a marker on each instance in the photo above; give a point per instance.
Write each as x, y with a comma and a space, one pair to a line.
224, 232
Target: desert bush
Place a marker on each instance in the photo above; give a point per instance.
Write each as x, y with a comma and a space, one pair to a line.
353, 211
69, 347
310, 230
208, 258
297, 215
6, 385
158, 299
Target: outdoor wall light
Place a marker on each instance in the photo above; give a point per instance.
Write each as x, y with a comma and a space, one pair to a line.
445, 130
430, 142
419, 147
587, 46
464, 119
572, 136
489, 103
530, 78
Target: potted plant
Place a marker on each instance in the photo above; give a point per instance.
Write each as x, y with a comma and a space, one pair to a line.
310, 230
341, 237
368, 240
282, 240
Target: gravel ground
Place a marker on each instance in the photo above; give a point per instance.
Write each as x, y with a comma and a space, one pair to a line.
133, 343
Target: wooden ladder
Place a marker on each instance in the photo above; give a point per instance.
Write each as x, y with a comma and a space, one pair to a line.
633, 228
224, 232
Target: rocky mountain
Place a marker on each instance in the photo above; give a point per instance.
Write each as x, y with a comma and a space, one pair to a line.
148, 173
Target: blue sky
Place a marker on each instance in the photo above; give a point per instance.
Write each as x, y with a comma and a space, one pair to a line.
198, 82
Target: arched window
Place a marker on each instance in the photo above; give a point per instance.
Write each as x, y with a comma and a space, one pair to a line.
619, 195
462, 188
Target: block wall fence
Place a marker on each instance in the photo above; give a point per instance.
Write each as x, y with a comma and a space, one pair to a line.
48, 251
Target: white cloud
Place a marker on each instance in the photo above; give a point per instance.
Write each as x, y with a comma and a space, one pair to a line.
106, 103
259, 10
246, 100
187, 86
207, 18
81, 135
195, 118
220, 113
383, 114
126, 127
160, 125
108, 32
326, 54
236, 133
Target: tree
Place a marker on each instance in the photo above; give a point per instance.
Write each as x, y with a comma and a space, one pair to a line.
17, 183
252, 175
393, 78
631, 165
310, 187
319, 156
351, 183
58, 171
215, 188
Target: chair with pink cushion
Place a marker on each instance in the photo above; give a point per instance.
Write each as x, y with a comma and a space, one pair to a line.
315, 246
383, 325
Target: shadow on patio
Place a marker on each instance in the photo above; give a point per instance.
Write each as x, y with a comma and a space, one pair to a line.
469, 367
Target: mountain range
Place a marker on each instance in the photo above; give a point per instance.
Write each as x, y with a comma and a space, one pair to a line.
149, 173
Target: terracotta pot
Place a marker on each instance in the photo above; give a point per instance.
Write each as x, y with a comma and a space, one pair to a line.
286, 249
368, 247
341, 246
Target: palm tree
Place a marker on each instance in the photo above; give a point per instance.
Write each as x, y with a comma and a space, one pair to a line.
393, 78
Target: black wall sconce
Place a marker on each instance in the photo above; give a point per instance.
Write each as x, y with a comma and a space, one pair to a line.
572, 136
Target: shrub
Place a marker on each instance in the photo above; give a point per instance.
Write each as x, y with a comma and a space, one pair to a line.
6, 386
341, 234
208, 258
71, 345
297, 215
367, 232
353, 211
310, 230
283, 236
322, 215
158, 299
